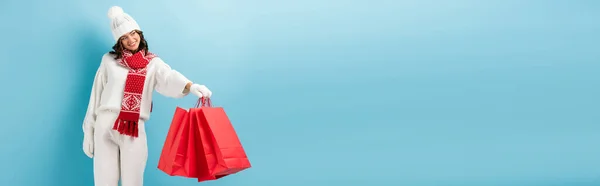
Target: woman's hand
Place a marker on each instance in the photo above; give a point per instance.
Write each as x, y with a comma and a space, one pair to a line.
200, 90
88, 143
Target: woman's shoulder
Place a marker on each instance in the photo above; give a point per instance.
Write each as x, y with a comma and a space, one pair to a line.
107, 60
108, 57
156, 60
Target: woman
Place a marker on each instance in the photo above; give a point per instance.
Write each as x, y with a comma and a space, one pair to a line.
121, 101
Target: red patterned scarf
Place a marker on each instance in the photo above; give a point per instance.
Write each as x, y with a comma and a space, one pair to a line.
127, 122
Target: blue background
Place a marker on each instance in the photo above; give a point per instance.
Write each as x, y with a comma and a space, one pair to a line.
379, 92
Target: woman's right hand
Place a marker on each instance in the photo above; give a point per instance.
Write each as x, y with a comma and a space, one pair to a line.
88, 143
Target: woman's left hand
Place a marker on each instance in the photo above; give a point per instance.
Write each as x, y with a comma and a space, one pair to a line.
200, 91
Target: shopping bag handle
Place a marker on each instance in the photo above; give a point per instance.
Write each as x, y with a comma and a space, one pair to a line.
203, 102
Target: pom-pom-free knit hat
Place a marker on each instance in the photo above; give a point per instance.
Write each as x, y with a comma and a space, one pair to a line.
120, 22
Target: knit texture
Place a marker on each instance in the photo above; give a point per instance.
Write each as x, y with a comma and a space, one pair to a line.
127, 122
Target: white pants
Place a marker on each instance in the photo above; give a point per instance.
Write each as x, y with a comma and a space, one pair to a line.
118, 156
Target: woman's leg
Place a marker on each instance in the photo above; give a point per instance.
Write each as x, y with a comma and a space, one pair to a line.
106, 151
134, 154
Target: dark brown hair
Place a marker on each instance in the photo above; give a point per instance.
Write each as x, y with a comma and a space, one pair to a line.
118, 47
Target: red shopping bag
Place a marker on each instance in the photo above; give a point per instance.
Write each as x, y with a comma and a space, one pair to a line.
178, 156
220, 152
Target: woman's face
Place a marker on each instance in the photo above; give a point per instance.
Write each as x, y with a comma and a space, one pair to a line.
131, 41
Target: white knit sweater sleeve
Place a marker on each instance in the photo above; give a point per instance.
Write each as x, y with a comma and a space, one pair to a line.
169, 82
94, 102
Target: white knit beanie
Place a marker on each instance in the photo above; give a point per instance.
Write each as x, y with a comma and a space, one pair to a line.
120, 22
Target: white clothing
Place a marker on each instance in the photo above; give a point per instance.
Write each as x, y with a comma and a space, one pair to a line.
118, 156
109, 84
121, 22
115, 155
200, 91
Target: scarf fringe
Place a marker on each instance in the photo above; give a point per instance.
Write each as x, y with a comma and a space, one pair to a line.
127, 125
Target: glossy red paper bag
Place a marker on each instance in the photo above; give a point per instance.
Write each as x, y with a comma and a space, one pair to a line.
176, 158
220, 152
166, 160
